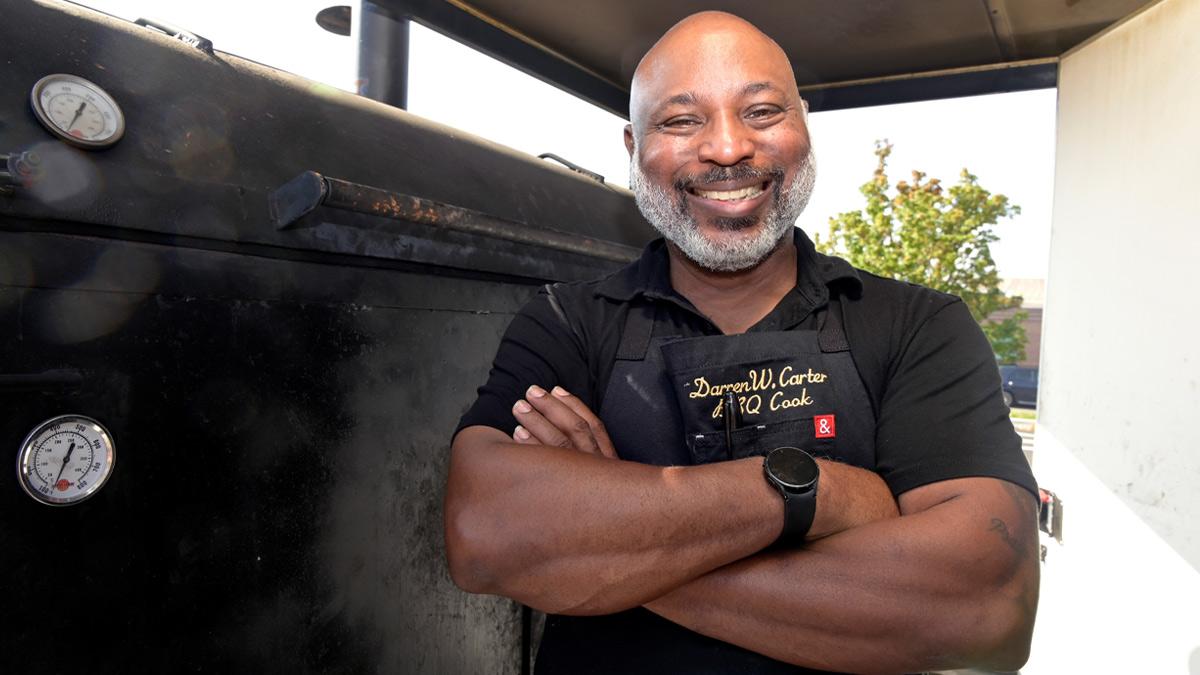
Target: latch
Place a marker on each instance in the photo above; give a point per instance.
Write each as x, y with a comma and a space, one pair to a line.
18, 170
187, 37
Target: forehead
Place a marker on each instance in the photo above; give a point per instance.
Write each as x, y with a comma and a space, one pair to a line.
710, 65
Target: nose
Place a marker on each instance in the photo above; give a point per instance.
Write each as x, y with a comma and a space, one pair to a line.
726, 140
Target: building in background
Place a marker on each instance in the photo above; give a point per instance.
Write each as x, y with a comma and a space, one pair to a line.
1033, 296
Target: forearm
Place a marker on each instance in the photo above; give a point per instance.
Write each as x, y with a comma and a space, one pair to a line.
937, 589
847, 497
569, 532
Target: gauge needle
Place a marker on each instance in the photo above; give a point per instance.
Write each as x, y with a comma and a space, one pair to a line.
77, 114
66, 457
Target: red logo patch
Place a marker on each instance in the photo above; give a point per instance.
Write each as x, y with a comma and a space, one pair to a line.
825, 426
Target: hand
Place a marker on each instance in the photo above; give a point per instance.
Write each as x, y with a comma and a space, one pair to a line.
562, 420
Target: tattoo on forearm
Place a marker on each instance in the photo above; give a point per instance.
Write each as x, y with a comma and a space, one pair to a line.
1020, 539
999, 527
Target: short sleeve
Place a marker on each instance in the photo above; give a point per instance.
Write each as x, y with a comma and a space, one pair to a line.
537, 348
942, 415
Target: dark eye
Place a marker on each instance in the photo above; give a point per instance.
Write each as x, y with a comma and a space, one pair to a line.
762, 112
680, 123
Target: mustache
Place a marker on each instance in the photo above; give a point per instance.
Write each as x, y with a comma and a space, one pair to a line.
735, 172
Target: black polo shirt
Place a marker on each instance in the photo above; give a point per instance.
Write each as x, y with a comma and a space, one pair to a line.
927, 367
929, 370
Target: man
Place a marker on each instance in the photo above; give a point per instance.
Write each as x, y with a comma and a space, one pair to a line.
899, 537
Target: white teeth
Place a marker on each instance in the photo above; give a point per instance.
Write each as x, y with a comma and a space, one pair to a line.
731, 195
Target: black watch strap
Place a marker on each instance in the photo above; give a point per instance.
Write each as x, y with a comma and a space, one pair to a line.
798, 512
795, 474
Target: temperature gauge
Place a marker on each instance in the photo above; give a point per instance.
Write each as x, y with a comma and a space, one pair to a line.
77, 111
65, 460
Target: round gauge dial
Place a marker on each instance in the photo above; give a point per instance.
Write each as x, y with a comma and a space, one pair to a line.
77, 111
65, 460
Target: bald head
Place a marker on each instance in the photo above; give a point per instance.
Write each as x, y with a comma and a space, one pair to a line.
720, 159
704, 52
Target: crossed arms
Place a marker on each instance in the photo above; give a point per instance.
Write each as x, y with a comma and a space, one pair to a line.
550, 517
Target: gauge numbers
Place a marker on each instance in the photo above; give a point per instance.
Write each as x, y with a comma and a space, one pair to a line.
65, 460
77, 111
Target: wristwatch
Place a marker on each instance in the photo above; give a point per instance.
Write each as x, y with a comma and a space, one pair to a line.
794, 473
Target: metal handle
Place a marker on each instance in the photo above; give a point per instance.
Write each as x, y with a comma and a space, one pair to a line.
202, 43
46, 381
572, 166
303, 194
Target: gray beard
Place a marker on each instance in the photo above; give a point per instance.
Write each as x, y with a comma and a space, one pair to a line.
666, 208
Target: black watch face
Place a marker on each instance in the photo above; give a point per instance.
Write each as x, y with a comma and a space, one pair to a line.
793, 467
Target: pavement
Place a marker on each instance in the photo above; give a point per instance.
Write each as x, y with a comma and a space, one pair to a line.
1025, 429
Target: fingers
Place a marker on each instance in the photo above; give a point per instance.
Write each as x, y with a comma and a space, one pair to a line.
595, 425
560, 420
540, 430
554, 423
521, 435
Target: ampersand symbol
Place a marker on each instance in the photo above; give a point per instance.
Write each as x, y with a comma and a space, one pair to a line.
824, 426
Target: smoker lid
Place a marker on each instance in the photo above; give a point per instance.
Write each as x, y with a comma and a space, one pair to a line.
846, 54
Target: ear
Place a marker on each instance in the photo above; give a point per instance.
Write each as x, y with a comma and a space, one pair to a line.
629, 143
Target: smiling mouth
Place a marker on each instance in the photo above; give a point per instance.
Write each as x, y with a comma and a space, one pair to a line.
742, 194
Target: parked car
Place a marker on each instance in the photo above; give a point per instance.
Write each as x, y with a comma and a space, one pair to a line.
1020, 385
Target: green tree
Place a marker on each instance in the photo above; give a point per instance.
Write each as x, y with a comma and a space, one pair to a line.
935, 237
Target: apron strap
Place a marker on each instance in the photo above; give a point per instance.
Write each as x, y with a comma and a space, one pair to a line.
635, 336
831, 336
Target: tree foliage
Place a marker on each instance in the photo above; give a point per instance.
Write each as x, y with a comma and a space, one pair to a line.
936, 237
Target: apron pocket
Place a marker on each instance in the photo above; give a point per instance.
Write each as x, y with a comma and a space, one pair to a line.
758, 440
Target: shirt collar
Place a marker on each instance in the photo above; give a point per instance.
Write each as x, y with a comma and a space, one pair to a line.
650, 274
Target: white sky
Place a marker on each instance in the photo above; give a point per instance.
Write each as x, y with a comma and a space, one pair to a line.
1006, 140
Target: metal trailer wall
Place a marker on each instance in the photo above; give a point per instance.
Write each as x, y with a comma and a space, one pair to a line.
1117, 436
281, 399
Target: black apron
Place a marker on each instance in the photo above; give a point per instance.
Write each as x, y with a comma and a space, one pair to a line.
667, 404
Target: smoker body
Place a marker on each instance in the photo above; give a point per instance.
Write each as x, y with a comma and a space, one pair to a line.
281, 395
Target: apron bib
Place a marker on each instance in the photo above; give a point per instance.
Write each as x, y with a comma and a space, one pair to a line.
666, 404
667, 399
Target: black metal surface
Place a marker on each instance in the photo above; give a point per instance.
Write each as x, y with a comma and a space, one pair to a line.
591, 49
281, 435
60, 379
374, 201
382, 56
202, 167
304, 193
335, 19
281, 401
999, 80
296, 198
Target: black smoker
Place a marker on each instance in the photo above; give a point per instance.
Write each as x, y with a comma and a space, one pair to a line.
278, 298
